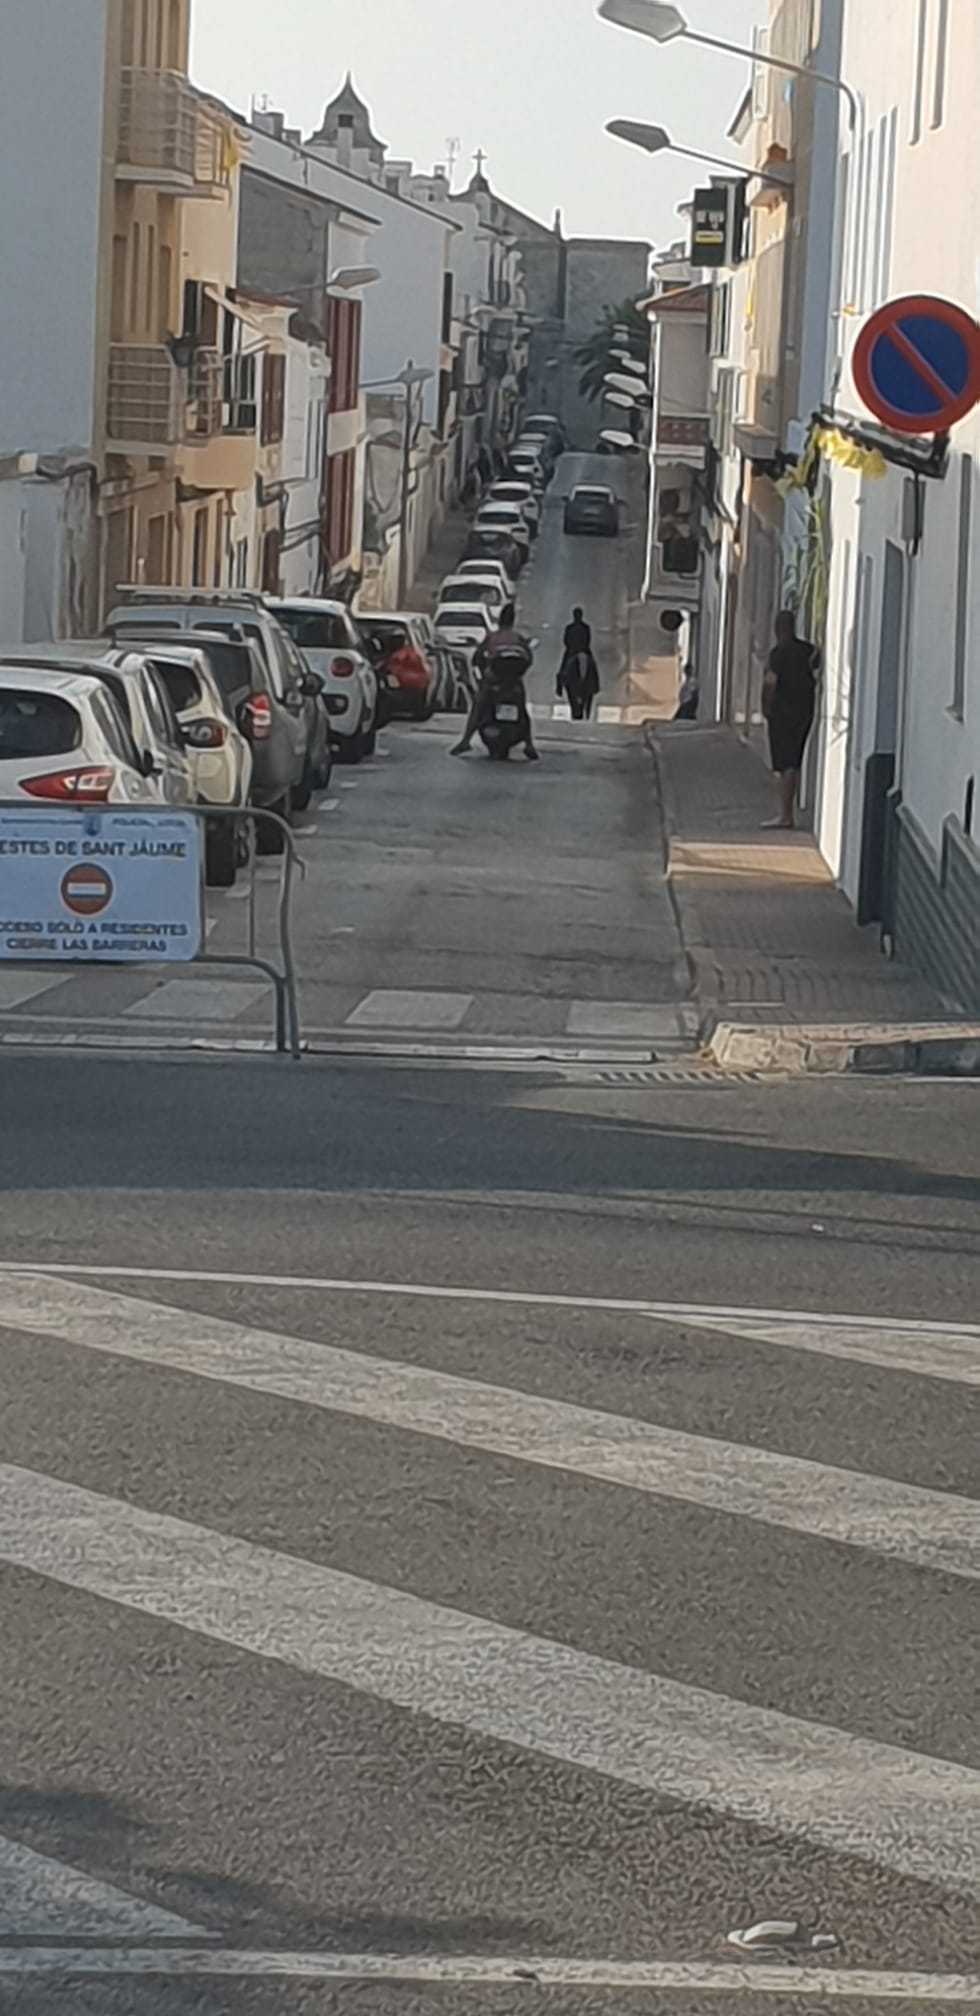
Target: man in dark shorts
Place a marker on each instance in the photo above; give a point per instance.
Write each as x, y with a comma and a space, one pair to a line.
789, 694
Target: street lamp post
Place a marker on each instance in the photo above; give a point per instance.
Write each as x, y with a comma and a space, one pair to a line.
664, 23
655, 140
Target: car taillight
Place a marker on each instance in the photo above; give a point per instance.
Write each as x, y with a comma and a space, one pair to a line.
73, 787
206, 734
343, 668
258, 717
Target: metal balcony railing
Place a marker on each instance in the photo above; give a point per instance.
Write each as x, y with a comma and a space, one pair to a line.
146, 400
168, 136
204, 396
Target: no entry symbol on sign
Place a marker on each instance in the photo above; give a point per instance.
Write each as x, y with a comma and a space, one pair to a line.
86, 891
917, 364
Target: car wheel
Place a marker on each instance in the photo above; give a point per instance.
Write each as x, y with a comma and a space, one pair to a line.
354, 747
371, 739
221, 855
300, 796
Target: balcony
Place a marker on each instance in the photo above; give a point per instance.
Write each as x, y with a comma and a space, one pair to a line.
146, 400
168, 137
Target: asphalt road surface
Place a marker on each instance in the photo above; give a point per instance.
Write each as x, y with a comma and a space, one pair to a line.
476, 1531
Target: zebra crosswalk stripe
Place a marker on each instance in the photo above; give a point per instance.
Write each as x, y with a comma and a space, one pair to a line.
41, 1898
911, 1814
932, 1529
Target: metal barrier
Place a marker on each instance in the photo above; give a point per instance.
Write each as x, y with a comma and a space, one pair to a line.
81, 891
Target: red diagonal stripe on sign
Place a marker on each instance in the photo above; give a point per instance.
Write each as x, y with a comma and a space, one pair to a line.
944, 393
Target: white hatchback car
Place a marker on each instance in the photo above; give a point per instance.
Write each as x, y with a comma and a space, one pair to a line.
464, 626
470, 588
485, 567
219, 754
494, 516
64, 741
328, 636
512, 491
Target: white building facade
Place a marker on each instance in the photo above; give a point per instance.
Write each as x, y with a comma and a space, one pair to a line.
899, 754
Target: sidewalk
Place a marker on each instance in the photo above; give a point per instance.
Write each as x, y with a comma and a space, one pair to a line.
445, 547
783, 976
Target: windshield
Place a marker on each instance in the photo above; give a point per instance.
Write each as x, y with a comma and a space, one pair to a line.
315, 630
462, 619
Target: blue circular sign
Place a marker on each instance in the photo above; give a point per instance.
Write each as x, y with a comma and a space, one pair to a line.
917, 364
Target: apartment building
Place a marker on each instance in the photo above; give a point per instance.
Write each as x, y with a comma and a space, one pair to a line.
122, 349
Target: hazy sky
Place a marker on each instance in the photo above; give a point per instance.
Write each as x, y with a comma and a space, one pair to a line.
531, 81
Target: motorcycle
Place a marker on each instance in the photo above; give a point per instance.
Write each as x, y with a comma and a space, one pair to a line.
504, 721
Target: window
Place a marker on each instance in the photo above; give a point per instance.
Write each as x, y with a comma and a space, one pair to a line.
181, 682
720, 325
942, 58
33, 725
344, 342
135, 265
113, 724
919, 82
273, 399
199, 560
149, 311
317, 630
241, 379
961, 635
164, 290
447, 307
120, 249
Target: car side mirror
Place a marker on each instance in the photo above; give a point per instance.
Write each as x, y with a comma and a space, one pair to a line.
310, 686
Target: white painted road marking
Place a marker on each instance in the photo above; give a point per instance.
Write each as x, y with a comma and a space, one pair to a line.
948, 1351
405, 1009
418, 1970
915, 1815
624, 1018
198, 1001
18, 987
44, 1899
932, 1529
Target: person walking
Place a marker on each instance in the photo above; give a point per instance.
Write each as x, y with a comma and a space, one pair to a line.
578, 677
789, 693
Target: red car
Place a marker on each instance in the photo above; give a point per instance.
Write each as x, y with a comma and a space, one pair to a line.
407, 677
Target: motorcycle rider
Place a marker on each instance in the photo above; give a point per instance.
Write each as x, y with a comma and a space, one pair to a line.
506, 639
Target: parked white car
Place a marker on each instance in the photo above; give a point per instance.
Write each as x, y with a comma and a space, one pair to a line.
485, 567
142, 700
334, 649
464, 626
470, 588
64, 741
511, 491
508, 518
219, 754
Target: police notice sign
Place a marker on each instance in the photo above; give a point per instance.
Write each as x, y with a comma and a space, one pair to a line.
120, 886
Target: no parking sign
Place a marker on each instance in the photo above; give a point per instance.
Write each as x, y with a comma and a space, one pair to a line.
917, 364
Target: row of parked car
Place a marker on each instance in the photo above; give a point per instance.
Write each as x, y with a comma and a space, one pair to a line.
504, 529
216, 698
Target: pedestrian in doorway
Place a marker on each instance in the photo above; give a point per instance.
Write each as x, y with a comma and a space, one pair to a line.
689, 698
789, 694
578, 677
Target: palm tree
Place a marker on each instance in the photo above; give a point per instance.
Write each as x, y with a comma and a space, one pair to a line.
595, 355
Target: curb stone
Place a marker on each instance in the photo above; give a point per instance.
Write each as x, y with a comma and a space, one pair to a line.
826, 1051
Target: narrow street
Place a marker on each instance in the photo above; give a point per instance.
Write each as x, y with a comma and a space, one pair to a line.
469, 1516
451, 901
